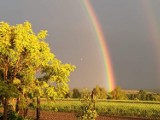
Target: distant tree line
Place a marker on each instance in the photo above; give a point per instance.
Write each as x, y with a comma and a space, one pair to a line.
144, 95
116, 94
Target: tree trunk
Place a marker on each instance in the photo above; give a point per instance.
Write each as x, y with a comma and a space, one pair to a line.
6, 100
17, 105
25, 111
38, 109
5, 109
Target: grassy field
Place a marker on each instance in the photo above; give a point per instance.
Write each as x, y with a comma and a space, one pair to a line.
108, 108
126, 108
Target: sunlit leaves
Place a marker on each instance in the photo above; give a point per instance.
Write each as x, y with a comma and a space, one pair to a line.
42, 34
57, 74
19, 42
23, 54
8, 90
16, 81
50, 92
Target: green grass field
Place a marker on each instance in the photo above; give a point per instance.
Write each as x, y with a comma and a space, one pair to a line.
108, 108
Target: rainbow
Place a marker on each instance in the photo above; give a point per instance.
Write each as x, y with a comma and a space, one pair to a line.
151, 22
153, 28
102, 42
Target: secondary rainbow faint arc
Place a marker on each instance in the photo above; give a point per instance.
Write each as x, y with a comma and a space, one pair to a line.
153, 28
103, 44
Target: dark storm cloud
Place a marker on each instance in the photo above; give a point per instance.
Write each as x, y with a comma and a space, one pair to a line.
126, 29
72, 39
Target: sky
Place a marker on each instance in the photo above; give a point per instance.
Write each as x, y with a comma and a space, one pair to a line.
130, 27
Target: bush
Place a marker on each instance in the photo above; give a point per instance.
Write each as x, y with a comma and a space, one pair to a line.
87, 111
14, 116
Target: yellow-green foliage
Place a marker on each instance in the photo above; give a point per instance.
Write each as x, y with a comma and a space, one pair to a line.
57, 74
22, 46
23, 55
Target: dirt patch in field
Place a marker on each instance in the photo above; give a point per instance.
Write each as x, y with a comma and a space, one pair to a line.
48, 115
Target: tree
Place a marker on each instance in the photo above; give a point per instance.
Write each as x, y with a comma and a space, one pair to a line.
76, 93
23, 54
118, 94
131, 96
57, 75
85, 94
100, 93
21, 51
69, 94
142, 95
